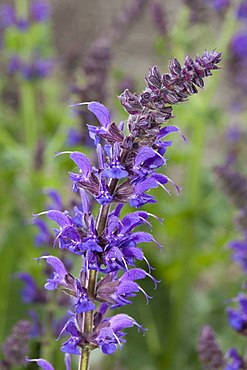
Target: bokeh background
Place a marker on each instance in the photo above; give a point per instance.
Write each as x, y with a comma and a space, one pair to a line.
73, 51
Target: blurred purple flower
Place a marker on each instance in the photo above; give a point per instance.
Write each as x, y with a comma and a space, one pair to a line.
237, 362
22, 24
239, 44
39, 68
242, 11
7, 16
159, 17
14, 64
238, 318
239, 252
40, 11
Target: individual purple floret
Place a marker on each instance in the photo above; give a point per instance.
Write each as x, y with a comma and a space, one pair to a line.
239, 252
238, 318
237, 362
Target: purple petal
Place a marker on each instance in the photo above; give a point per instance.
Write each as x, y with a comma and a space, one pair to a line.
71, 346
84, 306
100, 112
121, 321
57, 265
145, 185
141, 236
108, 349
42, 363
134, 274
144, 154
82, 162
235, 319
59, 217
127, 287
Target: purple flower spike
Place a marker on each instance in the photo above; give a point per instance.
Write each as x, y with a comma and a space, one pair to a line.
42, 363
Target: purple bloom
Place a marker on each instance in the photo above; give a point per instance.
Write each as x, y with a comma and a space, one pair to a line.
14, 64
126, 167
7, 16
83, 303
40, 11
109, 336
60, 273
22, 24
239, 44
242, 11
30, 293
239, 252
39, 68
116, 291
238, 318
71, 345
44, 235
237, 363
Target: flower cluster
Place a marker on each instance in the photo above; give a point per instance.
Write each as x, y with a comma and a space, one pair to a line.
128, 165
39, 11
36, 65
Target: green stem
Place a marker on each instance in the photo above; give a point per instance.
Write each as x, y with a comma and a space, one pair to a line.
84, 359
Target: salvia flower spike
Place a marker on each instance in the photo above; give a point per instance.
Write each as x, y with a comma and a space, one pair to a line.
128, 164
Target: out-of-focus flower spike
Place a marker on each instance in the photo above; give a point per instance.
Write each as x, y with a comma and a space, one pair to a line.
210, 354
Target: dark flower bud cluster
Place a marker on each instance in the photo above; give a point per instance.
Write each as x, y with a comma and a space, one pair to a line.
154, 106
127, 165
210, 354
15, 348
